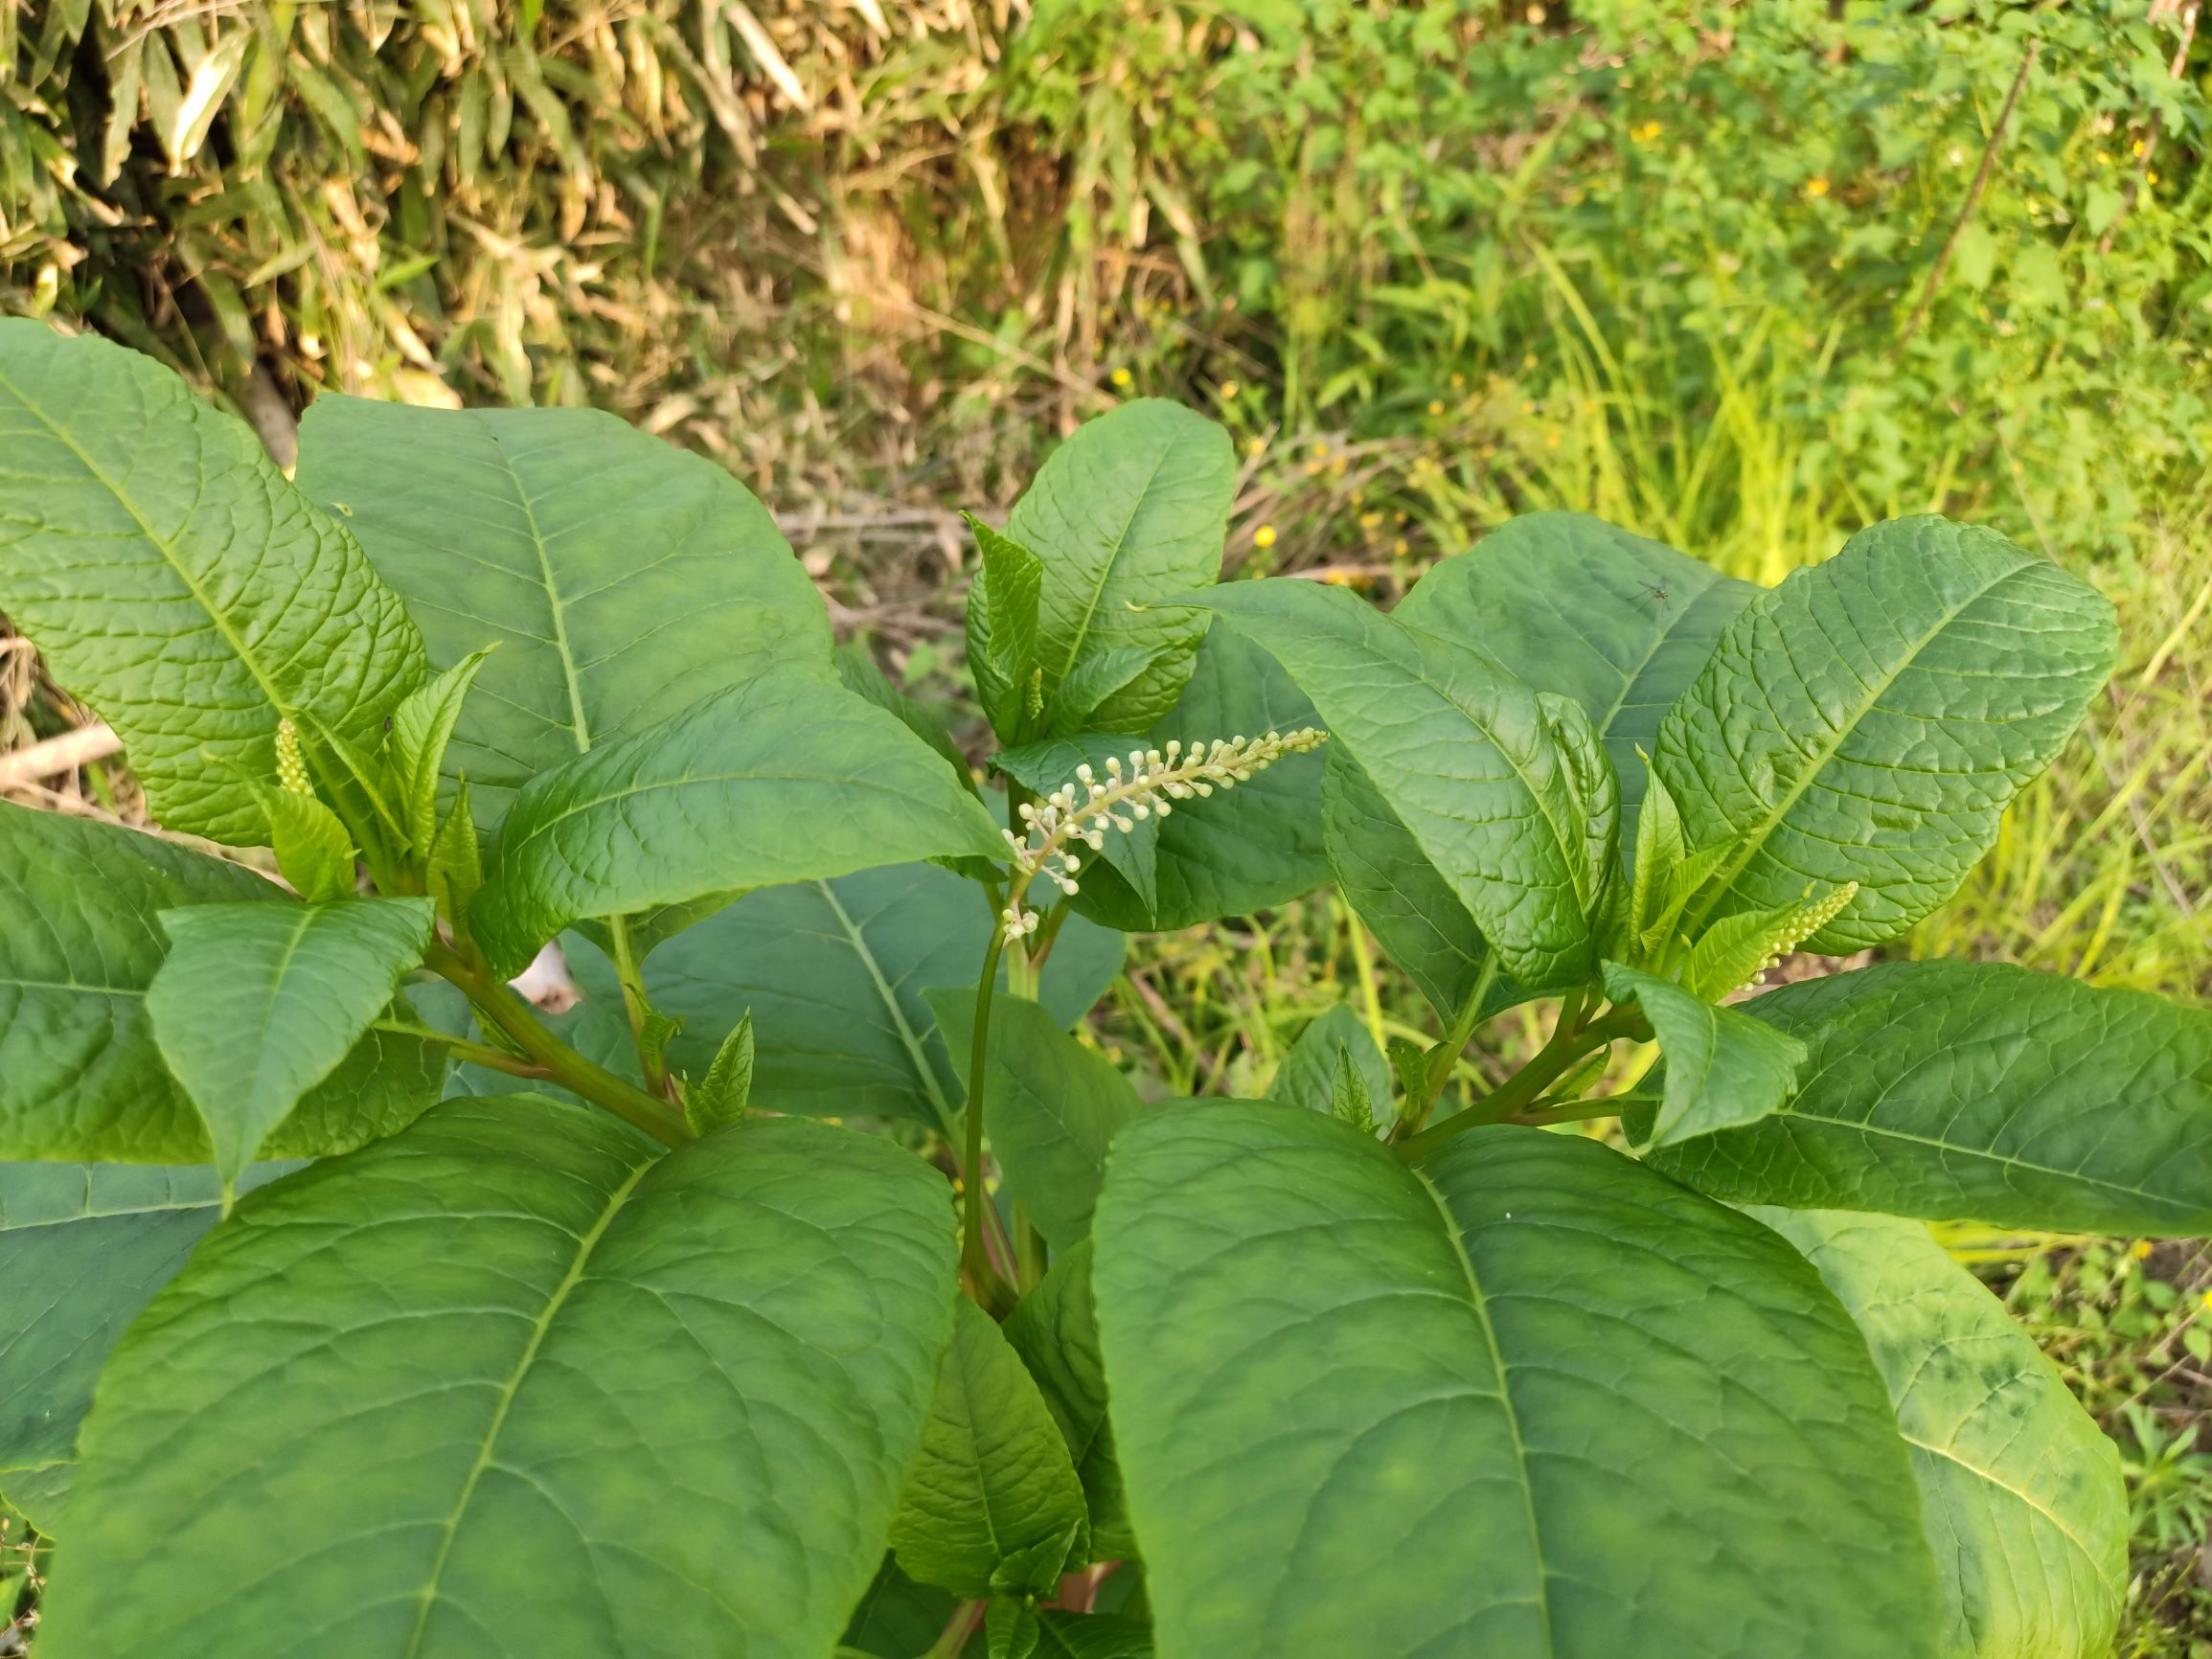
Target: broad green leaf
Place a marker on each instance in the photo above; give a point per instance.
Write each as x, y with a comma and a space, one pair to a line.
574, 1396
1977, 1091
1569, 604
1130, 510
1471, 761
1051, 1106
256, 1004
834, 973
81, 1076
994, 1480
422, 731
858, 671
1389, 882
1869, 719
1055, 1330
1002, 605
1092, 1636
779, 781
2021, 1490
897, 1617
723, 1094
1723, 1067
176, 581
622, 580
1247, 849
1530, 1398
83, 1247
1308, 1075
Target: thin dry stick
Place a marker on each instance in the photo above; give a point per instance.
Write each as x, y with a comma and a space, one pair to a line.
1989, 158
2151, 138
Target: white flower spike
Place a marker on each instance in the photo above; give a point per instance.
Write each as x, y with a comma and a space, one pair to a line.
1146, 785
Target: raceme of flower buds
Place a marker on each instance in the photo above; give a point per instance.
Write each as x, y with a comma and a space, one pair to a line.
1147, 783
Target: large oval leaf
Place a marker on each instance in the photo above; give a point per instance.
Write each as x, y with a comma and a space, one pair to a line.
1570, 604
1055, 1330
178, 583
2021, 1490
1130, 510
84, 1247
1505, 792
1869, 719
776, 781
505, 1384
621, 579
834, 974
1410, 908
1530, 1400
80, 1075
1961, 1090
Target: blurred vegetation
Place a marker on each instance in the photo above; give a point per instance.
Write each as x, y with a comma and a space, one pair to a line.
1742, 276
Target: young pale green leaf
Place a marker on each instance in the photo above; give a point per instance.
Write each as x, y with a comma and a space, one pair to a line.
1055, 1330
315, 852
1010, 1627
1977, 1091
415, 747
455, 869
1469, 759
1309, 1072
1255, 846
1002, 605
1683, 884
1050, 1108
1332, 1373
993, 1484
767, 1305
832, 974
1350, 1100
1569, 604
1737, 949
84, 1247
176, 581
256, 1004
782, 780
1869, 719
2021, 1490
723, 1095
1094, 681
1130, 511
1723, 1067
81, 1076
1660, 852
622, 580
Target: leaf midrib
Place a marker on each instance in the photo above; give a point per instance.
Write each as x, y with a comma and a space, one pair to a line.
1120, 546
1479, 1303
451, 1529
579, 724
159, 543
916, 1053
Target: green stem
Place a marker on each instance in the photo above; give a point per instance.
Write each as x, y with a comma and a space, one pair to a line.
462, 1049
982, 1275
635, 1004
1446, 1056
957, 1632
1569, 1045
497, 1002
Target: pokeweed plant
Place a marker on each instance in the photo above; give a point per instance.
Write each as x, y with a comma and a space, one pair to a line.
358, 1308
